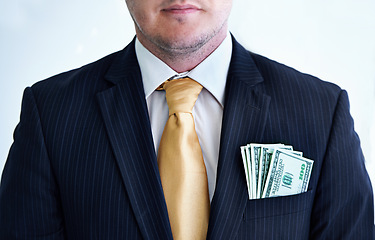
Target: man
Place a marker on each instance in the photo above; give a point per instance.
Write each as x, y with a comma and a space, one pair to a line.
84, 162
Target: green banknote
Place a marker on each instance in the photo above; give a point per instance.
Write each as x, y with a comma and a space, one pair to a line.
289, 174
274, 170
247, 170
264, 163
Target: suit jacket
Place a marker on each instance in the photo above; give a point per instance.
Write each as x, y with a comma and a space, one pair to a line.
83, 163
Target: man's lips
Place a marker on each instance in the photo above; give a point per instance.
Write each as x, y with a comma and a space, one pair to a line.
181, 9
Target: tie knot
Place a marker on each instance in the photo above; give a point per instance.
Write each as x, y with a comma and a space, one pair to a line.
181, 94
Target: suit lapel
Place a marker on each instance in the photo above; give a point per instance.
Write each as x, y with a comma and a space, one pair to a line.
124, 111
245, 113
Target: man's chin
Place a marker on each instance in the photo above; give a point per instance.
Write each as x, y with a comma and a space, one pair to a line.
182, 45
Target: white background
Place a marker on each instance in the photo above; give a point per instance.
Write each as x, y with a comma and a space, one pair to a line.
332, 39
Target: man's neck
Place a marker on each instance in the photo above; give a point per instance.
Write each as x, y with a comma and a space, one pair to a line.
182, 61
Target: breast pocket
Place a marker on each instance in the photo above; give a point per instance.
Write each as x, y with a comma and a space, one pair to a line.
286, 217
278, 206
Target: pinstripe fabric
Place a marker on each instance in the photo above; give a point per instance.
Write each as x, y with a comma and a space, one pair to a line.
98, 155
270, 103
83, 166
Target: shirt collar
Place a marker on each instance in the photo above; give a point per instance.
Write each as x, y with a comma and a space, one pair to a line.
210, 73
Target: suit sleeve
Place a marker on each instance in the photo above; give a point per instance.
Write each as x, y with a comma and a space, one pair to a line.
29, 199
343, 206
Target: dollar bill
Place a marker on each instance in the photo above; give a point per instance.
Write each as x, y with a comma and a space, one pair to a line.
289, 174
264, 163
247, 170
270, 170
255, 150
249, 160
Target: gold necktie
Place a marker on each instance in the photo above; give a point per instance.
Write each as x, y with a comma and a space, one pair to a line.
182, 170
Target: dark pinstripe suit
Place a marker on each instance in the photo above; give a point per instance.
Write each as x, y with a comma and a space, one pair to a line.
83, 164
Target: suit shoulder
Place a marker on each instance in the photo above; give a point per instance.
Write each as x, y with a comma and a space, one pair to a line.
92, 71
74, 86
278, 74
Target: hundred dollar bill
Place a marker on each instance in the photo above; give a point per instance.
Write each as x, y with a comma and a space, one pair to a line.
247, 170
251, 171
289, 174
262, 168
264, 163
255, 150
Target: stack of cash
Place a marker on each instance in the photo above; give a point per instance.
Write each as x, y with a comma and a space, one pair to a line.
275, 170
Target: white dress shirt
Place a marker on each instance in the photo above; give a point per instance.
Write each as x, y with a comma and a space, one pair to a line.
208, 110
